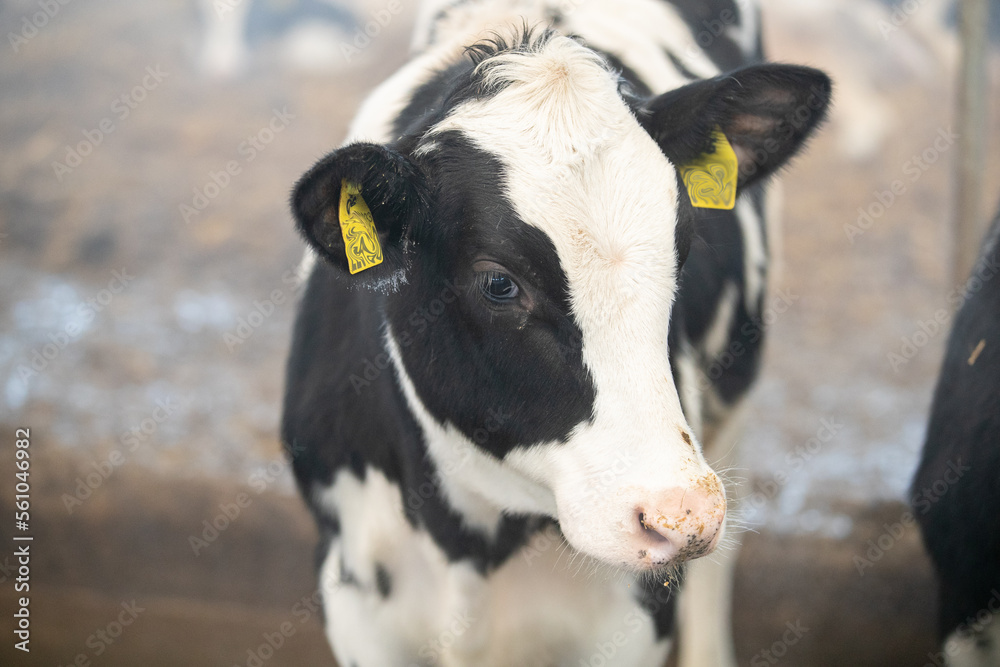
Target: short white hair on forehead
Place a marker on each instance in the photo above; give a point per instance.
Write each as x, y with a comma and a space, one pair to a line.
577, 163
565, 95
579, 167
539, 58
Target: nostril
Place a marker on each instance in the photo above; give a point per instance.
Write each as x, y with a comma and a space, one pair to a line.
649, 528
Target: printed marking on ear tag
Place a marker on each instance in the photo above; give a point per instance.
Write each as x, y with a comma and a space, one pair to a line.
358, 227
711, 179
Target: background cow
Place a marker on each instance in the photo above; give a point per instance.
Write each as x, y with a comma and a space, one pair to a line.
956, 490
504, 373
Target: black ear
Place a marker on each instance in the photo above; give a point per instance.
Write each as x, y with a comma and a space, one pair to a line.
766, 112
394, 190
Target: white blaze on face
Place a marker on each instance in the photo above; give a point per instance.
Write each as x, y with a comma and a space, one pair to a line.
631, 487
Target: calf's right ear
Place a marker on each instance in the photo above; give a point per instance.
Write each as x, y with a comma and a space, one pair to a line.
358, 208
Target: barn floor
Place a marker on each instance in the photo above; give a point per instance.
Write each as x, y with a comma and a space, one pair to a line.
169, 367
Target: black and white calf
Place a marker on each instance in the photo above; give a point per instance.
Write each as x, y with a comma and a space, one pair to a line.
498, 426
956, 490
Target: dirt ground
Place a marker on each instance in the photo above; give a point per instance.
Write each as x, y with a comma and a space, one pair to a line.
147, 307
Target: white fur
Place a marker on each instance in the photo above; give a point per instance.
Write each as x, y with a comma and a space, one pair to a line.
374, 121
706, 604
975, 649
754, 253
580, 168
223, 50
746, 32
705, 608
448, 614
717, 338
638, 32
479, 485
692, 380
374, 530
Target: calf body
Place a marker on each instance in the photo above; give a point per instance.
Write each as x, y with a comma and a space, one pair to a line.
956, 490
497, 425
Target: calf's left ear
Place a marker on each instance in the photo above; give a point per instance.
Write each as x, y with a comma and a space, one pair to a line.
765, 111
358, 208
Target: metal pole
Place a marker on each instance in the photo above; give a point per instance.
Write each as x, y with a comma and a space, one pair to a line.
970, 160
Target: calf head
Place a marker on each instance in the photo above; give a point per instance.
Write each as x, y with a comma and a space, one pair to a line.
533, 226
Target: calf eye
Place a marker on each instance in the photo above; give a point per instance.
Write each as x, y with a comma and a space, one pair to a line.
497, 287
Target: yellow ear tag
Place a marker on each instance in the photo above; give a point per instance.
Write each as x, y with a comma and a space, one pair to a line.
711, 179
356, 224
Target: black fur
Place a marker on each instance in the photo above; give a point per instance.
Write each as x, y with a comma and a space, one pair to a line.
390, 185
766, 112
504, 375
710, 22
960, 518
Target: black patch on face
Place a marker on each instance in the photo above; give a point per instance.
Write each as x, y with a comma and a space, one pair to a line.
426, 509
504, 376
431, 101
383, 581
344, 414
